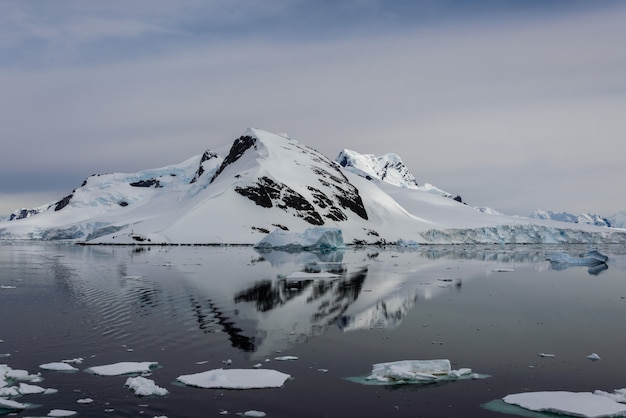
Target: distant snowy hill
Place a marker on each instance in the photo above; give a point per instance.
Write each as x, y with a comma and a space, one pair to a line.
388, 168
583, 218
263, 182
618, 220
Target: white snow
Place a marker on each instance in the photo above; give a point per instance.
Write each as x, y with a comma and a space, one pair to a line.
109, 209
144, 387
60, 366
125, 367
236, 378
580, 404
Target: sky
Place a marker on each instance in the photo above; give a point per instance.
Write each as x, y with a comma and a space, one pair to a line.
514, 105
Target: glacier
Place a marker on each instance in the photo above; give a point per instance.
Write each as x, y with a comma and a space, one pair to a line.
264, 184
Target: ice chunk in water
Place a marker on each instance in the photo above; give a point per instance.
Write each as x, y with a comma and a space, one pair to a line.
61, 366
144, 387
12, 405
410, 370
236, 379
580, 404
127, 367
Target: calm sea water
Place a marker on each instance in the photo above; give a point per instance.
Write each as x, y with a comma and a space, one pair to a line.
191, 309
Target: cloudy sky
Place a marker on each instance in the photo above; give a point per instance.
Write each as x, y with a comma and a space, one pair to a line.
515, 105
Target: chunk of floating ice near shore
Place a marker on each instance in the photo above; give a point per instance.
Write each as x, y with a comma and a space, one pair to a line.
61, 367
26, 389
618, 395
580, 404
125, 367
12, 405
415, 372
410, 370
235, 379
593, 356
144, 387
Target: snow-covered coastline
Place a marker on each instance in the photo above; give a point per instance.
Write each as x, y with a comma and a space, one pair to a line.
266, 182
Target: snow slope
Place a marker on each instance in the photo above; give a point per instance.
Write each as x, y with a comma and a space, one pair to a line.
263, 182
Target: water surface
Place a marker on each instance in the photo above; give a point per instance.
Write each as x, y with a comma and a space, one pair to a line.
191, 309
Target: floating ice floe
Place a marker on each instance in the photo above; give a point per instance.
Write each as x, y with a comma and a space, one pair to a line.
286, 358
253, 413
61, 413
125, 367
144, 387
312, 239
415, 372
579, 404
60, 366
7, 404
235, 379
593, 357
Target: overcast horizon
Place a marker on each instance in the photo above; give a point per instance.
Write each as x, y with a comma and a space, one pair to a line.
513, 105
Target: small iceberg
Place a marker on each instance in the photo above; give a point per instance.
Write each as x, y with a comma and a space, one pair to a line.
144, 387
125, 367
7, 404
312, 239
579, 404
60, 366
415, 372
235, 379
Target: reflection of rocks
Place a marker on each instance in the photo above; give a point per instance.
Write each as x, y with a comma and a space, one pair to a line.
385, 314
288, 311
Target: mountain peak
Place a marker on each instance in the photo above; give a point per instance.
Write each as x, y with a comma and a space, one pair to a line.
387, 167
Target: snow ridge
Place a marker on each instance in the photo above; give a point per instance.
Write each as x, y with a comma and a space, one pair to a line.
387, 167
265, 182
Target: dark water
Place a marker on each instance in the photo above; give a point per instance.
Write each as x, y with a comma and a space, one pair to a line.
192, 308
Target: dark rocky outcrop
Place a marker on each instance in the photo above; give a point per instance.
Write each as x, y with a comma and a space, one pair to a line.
268, 193
239, 147
208, 155
63, 202
147, 183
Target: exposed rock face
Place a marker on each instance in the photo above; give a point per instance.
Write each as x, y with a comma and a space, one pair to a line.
207, 156
147, 183
268, 193
239, 147
23, 213
63, 202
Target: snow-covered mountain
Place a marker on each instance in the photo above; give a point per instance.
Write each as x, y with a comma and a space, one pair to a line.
583, 218
388, 168
263, 181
